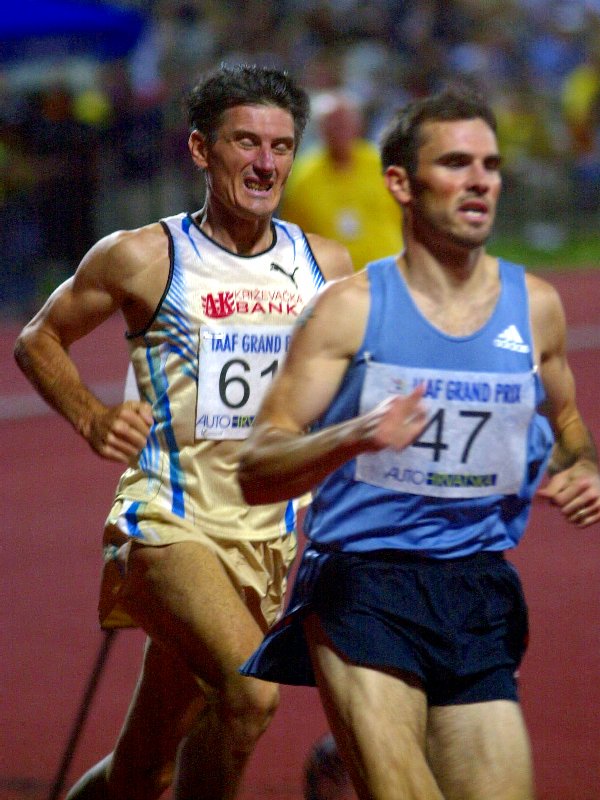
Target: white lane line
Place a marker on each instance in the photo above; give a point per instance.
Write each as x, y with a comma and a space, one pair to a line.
29, 404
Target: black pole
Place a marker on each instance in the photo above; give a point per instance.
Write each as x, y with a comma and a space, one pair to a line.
84, 707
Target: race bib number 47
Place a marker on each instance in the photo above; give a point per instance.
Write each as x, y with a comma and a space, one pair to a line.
474, 443
236, 365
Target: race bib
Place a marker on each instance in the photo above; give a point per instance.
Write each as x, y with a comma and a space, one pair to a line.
236, 366
475, 440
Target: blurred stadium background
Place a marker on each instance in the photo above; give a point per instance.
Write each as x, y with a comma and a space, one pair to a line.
92, 138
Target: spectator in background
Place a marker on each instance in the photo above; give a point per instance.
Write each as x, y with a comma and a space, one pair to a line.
20, 235
337, 189
534, 176
134, 138
580, 101
66, 152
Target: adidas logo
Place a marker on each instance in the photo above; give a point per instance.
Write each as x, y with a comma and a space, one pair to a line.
511, 339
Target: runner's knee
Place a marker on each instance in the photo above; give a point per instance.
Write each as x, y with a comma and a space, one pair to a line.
248, 712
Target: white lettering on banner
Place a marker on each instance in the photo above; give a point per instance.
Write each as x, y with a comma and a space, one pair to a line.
235, 367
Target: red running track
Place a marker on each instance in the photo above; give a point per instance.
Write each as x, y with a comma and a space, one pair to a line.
55, 494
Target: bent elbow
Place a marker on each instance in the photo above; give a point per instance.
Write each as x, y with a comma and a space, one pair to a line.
251, 497
255, 494
261, 474
247, 491
250, 486
18, 351
21, 351
30, 341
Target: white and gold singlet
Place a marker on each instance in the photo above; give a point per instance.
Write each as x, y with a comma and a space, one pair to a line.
204, 363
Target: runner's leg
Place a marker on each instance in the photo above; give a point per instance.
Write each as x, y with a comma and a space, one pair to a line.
182, 596
379, 721
480, 751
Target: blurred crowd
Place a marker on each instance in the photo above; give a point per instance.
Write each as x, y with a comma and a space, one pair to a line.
87, 150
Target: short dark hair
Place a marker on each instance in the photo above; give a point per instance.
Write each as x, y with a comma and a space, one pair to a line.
401, 139
244, 84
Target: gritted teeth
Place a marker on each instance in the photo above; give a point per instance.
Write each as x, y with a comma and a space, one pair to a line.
257, 186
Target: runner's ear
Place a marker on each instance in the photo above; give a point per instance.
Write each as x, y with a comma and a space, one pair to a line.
398, 183
198, 148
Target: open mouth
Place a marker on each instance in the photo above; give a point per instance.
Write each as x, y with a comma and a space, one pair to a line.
474, 210
255, 185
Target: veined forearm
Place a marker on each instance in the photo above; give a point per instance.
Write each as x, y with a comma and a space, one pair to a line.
277, 465
574, 444
51, 371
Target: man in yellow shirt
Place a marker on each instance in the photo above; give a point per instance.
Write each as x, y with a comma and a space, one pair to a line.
337, 189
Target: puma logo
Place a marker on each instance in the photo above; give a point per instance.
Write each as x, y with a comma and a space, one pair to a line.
290, 275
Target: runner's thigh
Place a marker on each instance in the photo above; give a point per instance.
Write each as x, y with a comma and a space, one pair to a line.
182, 596
480, 751
379, 722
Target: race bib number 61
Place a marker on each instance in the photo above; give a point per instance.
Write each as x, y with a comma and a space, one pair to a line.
236, 365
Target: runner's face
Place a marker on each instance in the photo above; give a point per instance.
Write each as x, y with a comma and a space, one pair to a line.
248, 165
457, 183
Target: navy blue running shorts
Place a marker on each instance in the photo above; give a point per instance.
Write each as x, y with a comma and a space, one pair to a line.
459, 625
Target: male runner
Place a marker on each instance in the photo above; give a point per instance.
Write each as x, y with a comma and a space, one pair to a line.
208, 300
435, 380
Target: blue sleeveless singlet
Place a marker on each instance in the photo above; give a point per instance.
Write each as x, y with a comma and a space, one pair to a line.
467, 482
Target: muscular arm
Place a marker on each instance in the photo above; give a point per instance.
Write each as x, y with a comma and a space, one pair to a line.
105, 281
280, 460
574, 485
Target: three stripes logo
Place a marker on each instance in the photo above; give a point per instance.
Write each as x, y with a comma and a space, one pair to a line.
511, 339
